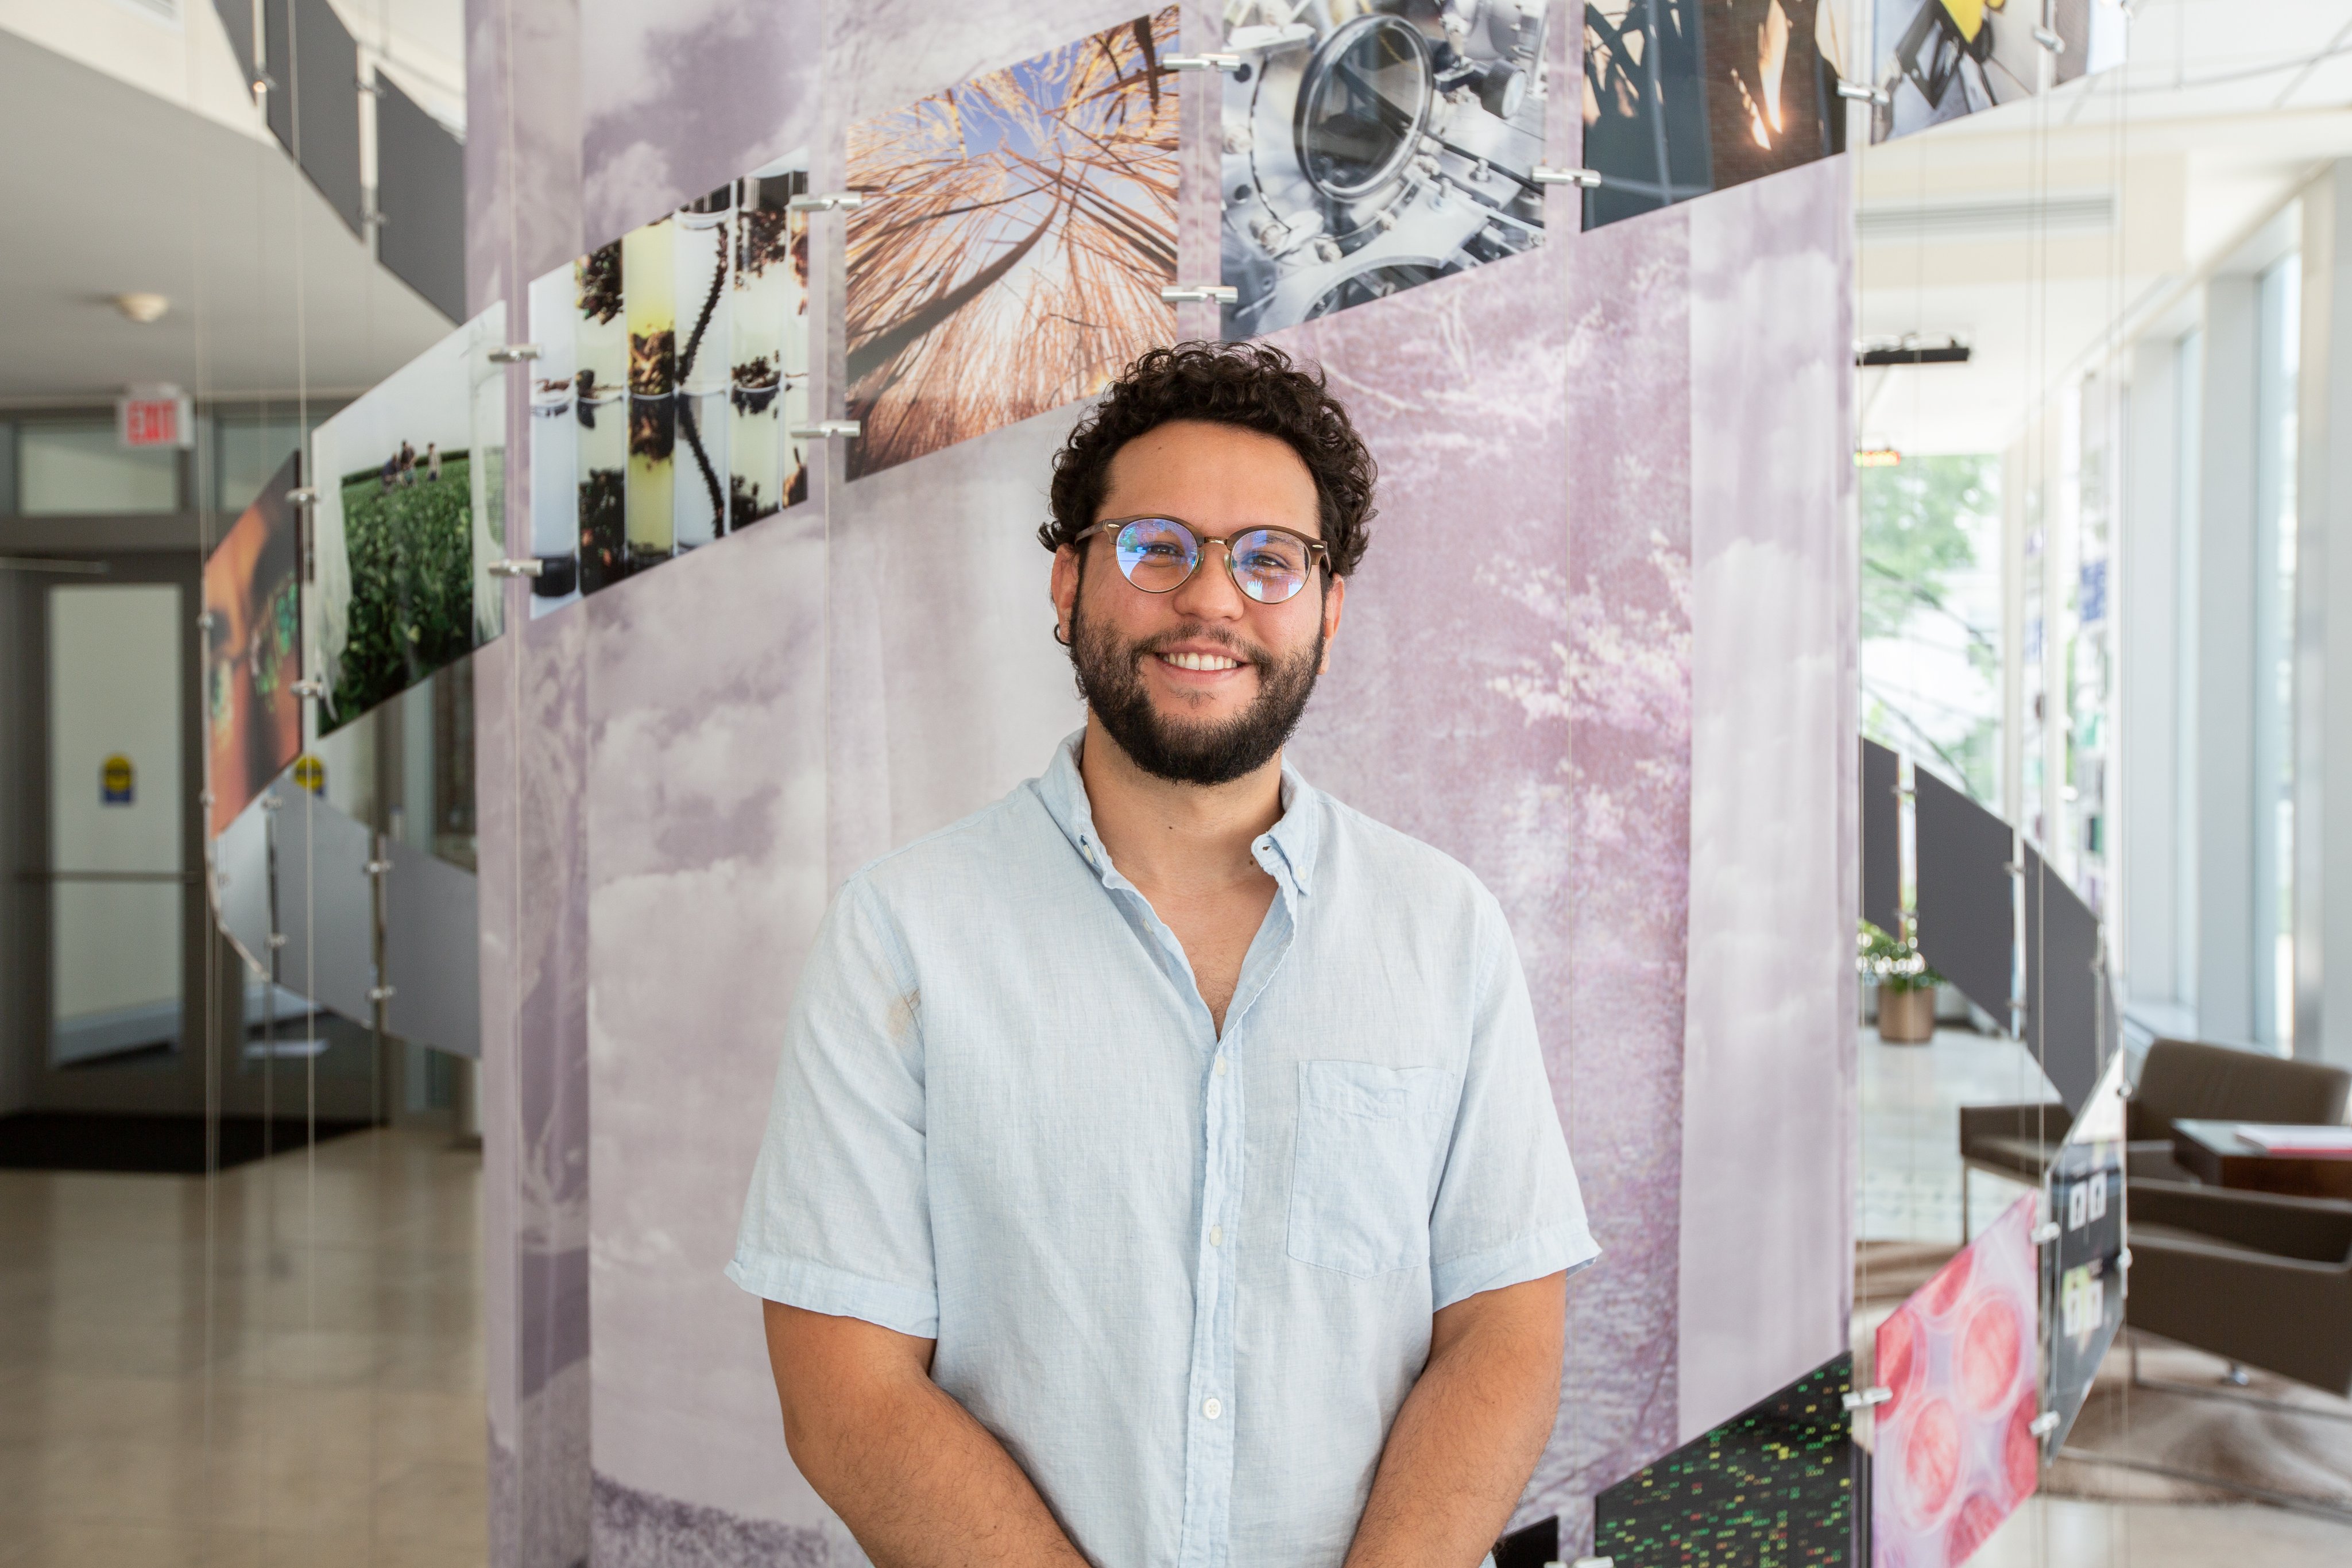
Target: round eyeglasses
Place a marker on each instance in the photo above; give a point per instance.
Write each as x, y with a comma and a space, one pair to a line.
1159, 555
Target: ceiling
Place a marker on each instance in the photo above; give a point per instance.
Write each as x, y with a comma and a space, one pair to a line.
118, 188
2032, 231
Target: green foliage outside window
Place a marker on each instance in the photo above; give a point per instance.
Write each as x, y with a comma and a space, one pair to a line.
1916, 540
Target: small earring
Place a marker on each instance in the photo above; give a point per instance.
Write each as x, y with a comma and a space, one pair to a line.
1064, 642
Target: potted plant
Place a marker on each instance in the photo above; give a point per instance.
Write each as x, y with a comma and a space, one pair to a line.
1906, 987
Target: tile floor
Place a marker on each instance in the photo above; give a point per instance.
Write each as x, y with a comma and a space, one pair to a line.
1909, 1190
306, 1388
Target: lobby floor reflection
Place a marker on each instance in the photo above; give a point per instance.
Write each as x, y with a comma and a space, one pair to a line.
285, 1368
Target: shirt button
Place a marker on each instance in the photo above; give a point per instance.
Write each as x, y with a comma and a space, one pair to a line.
1216, 1236
1221, 1067
1212, 1408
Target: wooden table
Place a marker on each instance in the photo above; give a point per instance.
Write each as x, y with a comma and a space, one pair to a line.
2214, 1153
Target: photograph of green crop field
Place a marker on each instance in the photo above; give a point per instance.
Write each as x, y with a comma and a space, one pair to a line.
1016, 233
409, 539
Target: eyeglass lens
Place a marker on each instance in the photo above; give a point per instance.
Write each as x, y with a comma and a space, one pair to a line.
1159, 554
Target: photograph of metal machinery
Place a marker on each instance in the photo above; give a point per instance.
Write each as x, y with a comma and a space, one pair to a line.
1939, 59
1684, 97
1395, 145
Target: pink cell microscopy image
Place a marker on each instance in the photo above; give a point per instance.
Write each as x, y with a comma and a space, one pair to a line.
1955, 1452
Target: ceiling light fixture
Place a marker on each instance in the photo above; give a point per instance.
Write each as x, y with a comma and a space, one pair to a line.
144, 308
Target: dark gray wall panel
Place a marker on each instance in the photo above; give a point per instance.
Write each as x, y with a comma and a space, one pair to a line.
420, 188
326, 93
2064, 987
1967, 920
1882, 839
278, 37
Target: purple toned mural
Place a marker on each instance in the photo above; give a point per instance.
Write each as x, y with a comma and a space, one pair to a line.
704, 816
678, 100
1625, 689
1768, 1104
1547, 670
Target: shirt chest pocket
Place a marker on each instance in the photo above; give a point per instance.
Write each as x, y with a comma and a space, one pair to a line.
1364, 1168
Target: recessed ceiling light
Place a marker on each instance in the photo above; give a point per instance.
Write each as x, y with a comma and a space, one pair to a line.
144, 308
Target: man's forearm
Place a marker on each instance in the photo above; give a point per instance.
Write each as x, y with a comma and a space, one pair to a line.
917, 1480
1468, 1435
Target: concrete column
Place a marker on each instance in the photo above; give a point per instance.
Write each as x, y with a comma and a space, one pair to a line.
2323, 681
2144, 935
2224, 611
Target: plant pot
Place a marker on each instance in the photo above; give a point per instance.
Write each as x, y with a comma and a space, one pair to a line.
1907, 1017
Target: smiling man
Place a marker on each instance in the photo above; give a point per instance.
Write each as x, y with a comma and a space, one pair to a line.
1161, 1169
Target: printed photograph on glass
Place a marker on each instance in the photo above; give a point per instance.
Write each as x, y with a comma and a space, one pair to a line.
1956, 1451
1368, 149
252, 650
1940, 59
2081, 1275
409, 514
1684, 97
673, 366
1016, 232
1776, 1484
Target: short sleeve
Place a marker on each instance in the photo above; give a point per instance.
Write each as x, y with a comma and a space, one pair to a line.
1508, 1208
838, 1218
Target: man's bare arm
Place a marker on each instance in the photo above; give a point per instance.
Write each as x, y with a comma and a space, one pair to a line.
1468, 1435
916, 1479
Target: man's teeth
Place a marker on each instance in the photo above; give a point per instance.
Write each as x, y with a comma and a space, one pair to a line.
1202, 661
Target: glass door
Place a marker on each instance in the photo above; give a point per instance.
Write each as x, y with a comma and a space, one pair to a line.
115, 794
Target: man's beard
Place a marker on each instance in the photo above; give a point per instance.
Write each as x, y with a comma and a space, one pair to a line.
1187, 751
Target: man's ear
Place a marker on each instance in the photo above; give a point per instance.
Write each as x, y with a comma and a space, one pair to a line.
1064, 587
1334, 598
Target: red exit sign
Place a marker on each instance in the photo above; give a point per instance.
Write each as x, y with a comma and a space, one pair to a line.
154, 416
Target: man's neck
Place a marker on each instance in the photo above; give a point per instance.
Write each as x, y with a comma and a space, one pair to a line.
1187, 839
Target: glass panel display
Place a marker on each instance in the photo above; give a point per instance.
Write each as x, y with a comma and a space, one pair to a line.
1681, 99
1365, 154
1015, 236
1777, 1483
252, 650
1941, 59
409, 514
1956, 1451
673, 367
2082, 1284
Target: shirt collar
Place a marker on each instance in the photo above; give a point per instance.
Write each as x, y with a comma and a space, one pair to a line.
1296, 837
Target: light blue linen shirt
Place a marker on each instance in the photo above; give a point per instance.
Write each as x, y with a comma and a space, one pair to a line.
1186, 1281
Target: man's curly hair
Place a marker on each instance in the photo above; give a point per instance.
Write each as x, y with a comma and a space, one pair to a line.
1252, 385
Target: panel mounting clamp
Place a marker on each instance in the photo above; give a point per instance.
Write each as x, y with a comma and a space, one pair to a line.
1200, 294
1582, 179
826, 429
828, 202
313, 689
1203, 62
1594, 1563
1862, 92
514, 353
2047, 1232
2049, 40
376, 868
1863, 1398
2041, 1426
380, 993
528, 566
302, 496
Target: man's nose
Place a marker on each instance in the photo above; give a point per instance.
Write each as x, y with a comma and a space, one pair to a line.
1210, 592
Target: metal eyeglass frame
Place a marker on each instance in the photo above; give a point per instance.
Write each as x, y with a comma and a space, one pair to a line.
1317, 552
